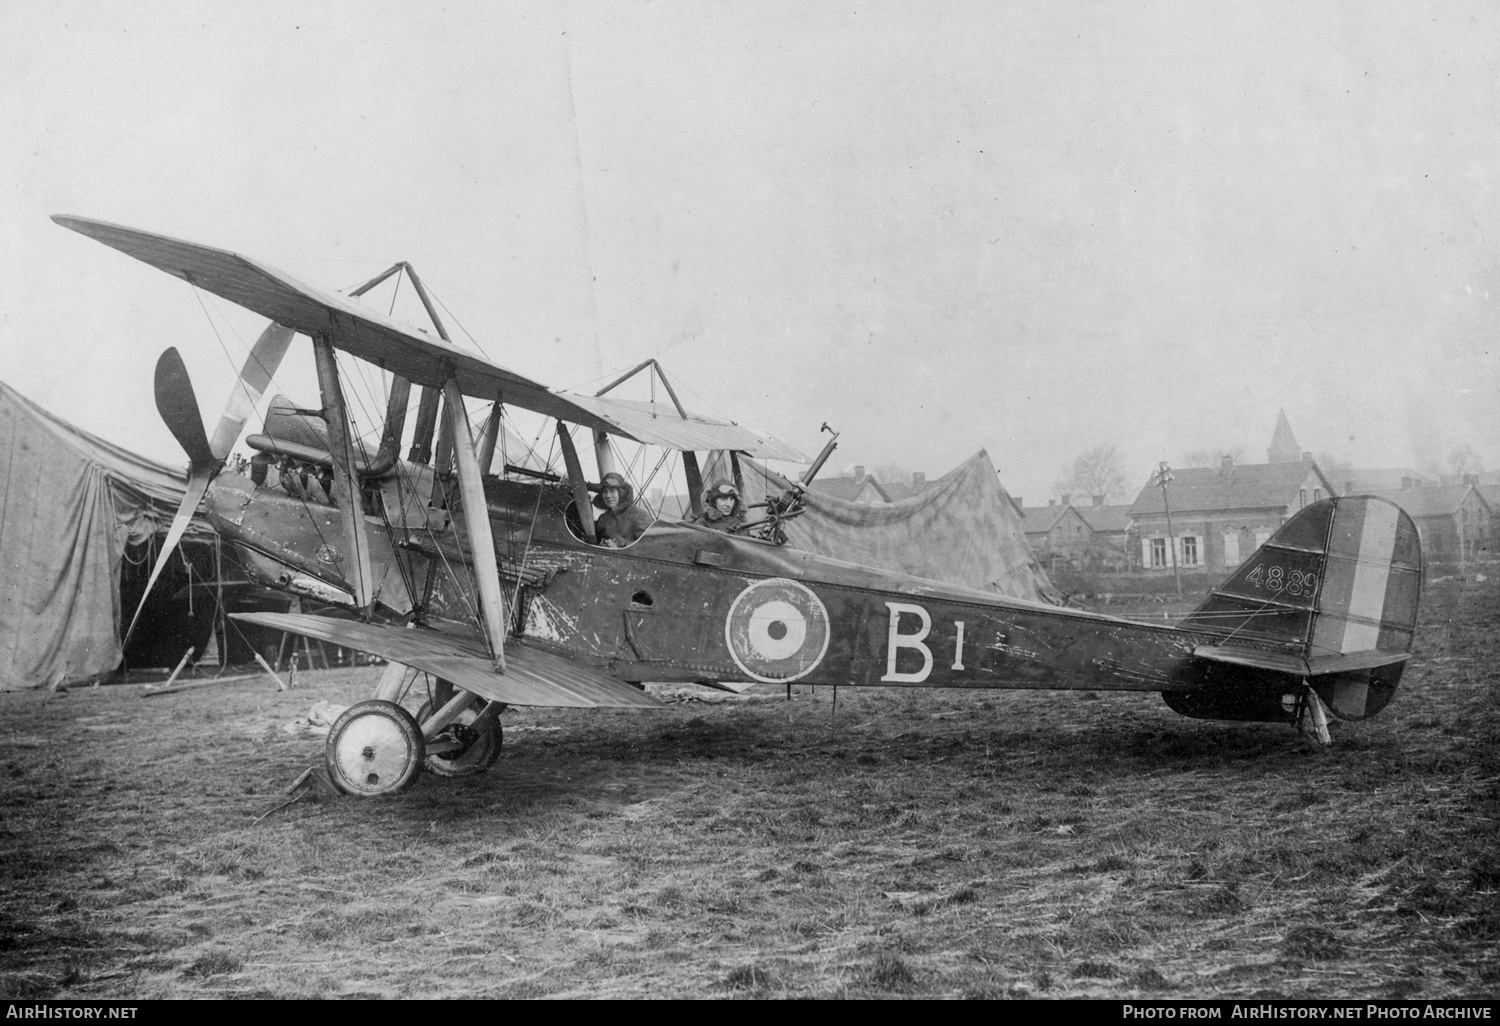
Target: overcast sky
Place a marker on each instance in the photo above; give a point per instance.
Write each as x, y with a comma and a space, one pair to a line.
1029, 228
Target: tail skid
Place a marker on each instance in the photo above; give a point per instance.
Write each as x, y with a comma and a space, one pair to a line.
1329, 599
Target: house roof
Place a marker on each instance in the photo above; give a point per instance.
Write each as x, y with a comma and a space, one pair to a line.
1435, 501
1107, 519
847, 488
1491, 494
1389, 478
1041, 519
904, 489
1242, 486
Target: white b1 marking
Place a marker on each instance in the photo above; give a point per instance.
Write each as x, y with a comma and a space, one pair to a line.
958, 646
895, 641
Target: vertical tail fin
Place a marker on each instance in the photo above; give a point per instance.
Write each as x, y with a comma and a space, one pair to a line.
1331, 596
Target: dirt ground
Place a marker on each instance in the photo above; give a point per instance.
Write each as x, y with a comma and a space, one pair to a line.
930, 843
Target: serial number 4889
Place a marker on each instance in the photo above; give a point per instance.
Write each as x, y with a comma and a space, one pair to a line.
1276, 579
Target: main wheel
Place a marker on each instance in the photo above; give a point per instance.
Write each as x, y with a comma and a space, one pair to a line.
479, 751
374, 747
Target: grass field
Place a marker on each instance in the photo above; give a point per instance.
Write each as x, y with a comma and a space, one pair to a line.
928, 843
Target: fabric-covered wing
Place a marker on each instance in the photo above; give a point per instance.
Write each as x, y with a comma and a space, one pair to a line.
532, 677
349, 325
656, 424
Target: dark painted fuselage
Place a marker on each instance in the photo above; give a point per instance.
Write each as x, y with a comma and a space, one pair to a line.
685, 603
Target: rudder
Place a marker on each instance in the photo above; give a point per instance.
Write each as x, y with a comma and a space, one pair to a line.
1331, 597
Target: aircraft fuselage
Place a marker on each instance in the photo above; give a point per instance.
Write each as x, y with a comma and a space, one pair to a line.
688, 604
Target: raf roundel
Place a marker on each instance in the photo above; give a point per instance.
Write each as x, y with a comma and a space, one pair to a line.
777, 630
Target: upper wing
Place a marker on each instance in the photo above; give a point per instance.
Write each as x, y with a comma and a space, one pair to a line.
656, 424
350, 326
532, 677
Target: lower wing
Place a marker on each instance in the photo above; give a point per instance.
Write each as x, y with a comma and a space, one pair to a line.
532, 677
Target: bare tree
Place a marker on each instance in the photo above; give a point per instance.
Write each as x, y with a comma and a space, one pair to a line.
1464, 460
1209, 456
1096, 471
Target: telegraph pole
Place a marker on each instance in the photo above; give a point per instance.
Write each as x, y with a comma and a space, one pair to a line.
1163, 475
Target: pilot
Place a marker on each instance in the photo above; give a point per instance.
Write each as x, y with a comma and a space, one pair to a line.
723, 510
622, 521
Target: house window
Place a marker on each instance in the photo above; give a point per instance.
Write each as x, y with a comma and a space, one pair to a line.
1301, 497
1260, 537
1189, 547
1158, 552
1317, 495
1231, 548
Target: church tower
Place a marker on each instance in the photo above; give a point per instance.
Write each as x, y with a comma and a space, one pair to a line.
1284, 447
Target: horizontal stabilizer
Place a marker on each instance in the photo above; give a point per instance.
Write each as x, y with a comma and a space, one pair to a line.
1330, 597
1318, 666
532, 677
1280, 662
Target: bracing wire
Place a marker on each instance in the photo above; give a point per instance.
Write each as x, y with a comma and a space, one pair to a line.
239, 378
239, 381
355, 498
515, 602
469, 334
403, 478
359, 440
472, 559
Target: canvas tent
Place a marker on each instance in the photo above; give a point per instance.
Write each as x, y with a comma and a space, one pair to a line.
961, 529
72, 507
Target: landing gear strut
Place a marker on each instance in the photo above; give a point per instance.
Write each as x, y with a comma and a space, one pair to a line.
467, 746
377, 747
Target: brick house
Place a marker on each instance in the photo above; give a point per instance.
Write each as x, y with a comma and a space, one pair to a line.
1455, 522
1114, 545
1058, 534
1220, 515
1491, 495
1371, 480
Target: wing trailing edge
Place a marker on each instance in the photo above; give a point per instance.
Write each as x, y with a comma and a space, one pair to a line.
532, 677
402, 349
348, 324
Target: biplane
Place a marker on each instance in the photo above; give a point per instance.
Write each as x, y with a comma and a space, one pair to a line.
494, 586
